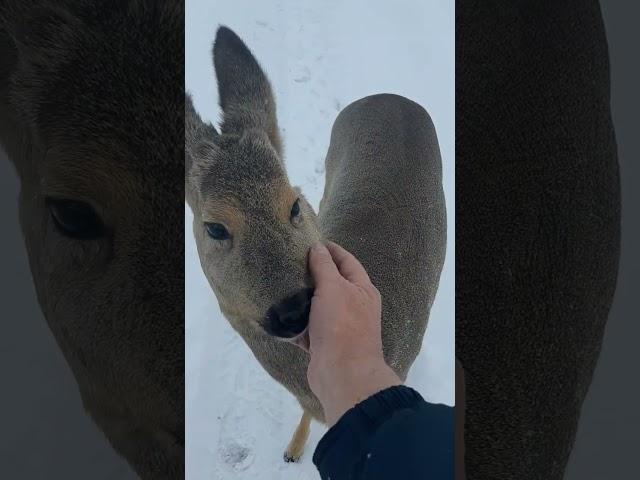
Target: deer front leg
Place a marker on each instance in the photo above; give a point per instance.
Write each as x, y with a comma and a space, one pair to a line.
299, 439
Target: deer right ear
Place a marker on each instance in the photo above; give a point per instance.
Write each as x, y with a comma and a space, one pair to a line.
198, 136
245, 93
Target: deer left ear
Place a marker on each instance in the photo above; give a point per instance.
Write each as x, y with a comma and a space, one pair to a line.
246, 97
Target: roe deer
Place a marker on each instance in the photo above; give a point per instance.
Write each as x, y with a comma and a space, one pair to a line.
91, 102
383, 201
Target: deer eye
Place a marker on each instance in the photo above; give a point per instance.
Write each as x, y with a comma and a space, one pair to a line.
75, 219
295, 210
217, 231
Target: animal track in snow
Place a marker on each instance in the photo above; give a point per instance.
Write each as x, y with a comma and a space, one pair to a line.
236, 456
234, 445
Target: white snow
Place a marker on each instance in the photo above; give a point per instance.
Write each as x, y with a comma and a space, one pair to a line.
320, 56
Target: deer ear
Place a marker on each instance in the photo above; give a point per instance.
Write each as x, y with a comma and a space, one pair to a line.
199, 142
196, 131
245, 93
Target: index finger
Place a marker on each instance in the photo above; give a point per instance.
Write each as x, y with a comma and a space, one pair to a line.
348, 265
323, 269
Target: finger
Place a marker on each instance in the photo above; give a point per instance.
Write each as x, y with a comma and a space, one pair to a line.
348, 265
323, 269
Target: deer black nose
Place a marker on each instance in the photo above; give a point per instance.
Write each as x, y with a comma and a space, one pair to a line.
290, 317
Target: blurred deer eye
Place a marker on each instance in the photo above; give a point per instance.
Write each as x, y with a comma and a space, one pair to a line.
75, 219
217, 231
295, 210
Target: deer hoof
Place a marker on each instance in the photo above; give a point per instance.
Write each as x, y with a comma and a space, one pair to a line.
291, 458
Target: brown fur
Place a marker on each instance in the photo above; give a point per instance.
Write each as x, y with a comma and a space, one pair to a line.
91, 110
383, 201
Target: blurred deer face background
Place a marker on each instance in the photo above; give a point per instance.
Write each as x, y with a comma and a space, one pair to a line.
91, 116
253, 230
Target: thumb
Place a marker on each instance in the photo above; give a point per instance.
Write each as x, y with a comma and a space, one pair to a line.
323, 269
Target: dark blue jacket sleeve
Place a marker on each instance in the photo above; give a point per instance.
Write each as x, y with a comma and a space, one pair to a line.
394, 434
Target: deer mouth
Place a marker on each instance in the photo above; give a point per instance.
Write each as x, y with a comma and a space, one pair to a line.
289, 318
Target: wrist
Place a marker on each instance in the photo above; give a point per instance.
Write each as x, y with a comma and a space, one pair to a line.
352, 383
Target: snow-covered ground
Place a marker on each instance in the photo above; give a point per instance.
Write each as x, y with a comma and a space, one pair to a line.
320, 56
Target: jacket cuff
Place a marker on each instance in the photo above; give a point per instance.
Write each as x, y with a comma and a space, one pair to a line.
350, 434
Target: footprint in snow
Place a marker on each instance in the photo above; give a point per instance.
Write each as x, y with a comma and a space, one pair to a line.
236, 456
234, 444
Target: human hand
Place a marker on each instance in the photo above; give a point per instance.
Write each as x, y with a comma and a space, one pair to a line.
344, 336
